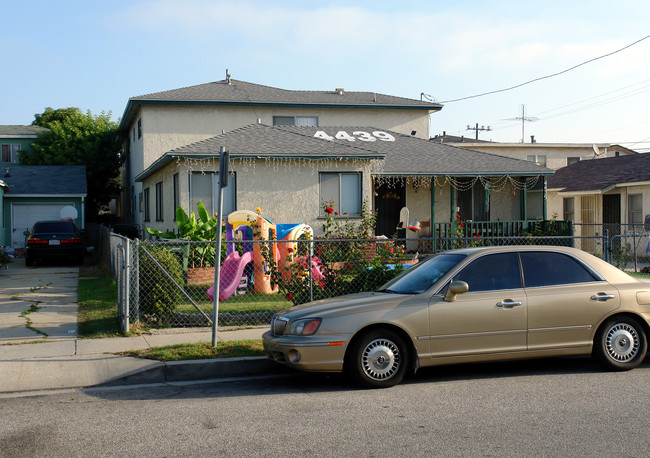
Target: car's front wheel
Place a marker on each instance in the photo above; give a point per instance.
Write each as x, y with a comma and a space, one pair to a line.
378, 359
621, 344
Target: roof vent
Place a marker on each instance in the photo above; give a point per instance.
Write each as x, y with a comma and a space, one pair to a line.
228, 75
339, 90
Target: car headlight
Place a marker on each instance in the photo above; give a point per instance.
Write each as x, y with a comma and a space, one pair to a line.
306, 327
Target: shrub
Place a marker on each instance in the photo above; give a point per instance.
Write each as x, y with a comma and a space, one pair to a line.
158, 293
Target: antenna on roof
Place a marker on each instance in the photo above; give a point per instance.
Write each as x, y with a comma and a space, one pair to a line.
228, 75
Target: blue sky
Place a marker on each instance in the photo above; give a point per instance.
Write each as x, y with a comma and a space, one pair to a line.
95, 55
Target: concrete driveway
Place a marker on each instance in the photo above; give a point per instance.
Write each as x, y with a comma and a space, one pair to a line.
38, 303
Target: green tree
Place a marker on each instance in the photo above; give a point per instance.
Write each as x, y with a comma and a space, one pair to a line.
76, 138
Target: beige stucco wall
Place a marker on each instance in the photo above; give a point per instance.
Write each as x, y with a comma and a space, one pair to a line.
165, 127
288, 193
556, 153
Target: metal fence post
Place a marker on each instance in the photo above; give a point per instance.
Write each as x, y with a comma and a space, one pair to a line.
606, 246
127, 283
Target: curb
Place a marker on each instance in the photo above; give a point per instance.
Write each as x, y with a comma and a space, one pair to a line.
202, 369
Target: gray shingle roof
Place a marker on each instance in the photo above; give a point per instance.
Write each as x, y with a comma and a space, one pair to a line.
45, 179
242, 93
601, 174
251, 93
10, 130
405, 156
414, 156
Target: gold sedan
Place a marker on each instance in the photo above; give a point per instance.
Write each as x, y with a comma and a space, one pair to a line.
470, 305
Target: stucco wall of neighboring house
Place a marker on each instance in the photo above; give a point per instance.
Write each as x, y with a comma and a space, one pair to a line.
556, 153
288, 193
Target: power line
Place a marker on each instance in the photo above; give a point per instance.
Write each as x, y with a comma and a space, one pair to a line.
547, 76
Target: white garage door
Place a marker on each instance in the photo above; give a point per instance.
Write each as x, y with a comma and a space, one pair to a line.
23, 217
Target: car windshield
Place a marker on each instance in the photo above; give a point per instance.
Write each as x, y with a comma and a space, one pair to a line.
53, 226
423, 275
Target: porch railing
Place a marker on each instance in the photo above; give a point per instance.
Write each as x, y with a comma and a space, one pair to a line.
502, 228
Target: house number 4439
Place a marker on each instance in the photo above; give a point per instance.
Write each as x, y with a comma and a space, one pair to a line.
356, 135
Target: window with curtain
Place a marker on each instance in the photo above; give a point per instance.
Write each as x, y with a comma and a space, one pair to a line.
203, 187
342, 188
635, 208
303, 121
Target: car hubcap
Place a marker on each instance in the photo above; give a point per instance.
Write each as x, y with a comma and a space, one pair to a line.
622, 342
380, 359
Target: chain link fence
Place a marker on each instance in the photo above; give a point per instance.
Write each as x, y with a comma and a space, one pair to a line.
170, 283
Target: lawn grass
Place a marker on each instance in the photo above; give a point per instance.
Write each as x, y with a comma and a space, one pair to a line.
248, 303
200, 350
97, 317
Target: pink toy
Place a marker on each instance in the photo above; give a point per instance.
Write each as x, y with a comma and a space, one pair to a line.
231, 274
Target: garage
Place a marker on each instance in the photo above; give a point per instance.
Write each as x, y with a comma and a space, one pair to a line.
25, 215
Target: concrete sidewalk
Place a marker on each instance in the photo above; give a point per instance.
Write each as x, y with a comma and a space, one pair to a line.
76, 363
39, 348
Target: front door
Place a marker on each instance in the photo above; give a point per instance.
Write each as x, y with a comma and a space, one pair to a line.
612, 217
390, 199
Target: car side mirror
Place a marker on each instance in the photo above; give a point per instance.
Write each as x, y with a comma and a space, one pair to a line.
455, 288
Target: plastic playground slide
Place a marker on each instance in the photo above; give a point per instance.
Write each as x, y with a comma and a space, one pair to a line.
230, 275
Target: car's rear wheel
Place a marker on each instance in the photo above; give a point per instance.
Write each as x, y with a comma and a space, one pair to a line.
621, 344
378, 359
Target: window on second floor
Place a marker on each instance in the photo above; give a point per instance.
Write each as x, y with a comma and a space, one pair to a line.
140, 128
539, 159
303, 121
10, 152
572, 160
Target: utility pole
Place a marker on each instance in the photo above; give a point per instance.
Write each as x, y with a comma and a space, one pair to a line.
477, 129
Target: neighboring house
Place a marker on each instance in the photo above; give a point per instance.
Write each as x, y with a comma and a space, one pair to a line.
551, 155
612, 193
614, 190
291, 171
38, 192
157, 123
15, 139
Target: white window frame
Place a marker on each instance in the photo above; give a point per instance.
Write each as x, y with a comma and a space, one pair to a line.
340, 202
635, 208
303, 121
159, 201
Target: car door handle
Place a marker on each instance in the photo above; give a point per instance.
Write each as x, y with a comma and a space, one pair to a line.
508, 304
602, 297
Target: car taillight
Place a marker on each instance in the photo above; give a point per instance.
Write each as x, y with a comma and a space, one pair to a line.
72, 240
36, 241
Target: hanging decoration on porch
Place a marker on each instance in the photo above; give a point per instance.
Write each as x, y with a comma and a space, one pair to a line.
495, 184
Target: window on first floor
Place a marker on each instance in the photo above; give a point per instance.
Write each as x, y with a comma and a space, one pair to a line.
176, 192
10, 152
341, 190
635, 208
473, 200
203, 188
303, 121
146, 205
159, 201
568, 209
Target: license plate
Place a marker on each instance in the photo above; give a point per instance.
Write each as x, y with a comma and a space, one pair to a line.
55, 242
